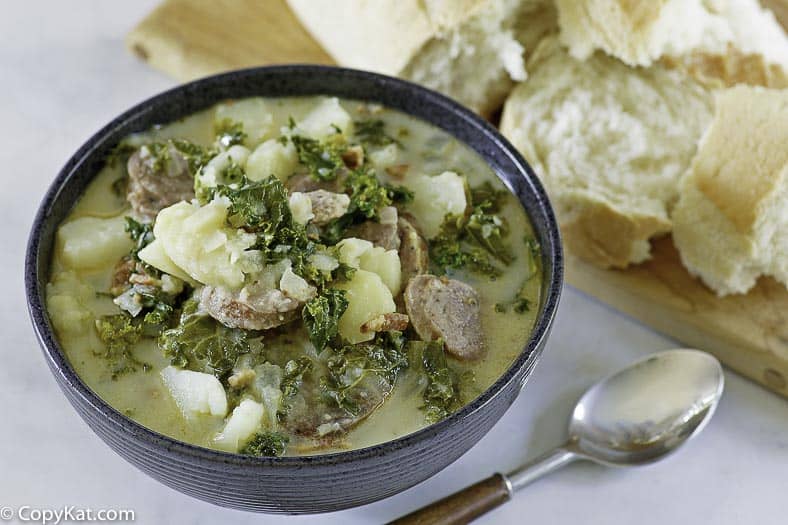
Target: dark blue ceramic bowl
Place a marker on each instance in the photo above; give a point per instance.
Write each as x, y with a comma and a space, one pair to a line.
295, 484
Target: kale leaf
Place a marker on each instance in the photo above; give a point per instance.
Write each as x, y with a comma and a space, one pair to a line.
367, 196
475, 239
442, 395
293, 375
373, 133
349, 365
229, 133
120, 333
140, 233
321, 316
266, 444
260, 207
202, 344
322, 159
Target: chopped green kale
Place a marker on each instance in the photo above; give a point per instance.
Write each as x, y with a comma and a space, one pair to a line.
322, 159
120, 333
367, 196
449, 251
266, 444
373, 133
350, 365
294, 375
260, 207
196, 156
140, 233
229, 133
202, 344
321, 316
473, 240
442, 395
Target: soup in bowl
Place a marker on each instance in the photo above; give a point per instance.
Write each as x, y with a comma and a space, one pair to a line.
269, 278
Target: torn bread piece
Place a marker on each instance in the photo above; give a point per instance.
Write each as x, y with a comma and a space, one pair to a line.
610, 143
731, 222
640, 32
471, 50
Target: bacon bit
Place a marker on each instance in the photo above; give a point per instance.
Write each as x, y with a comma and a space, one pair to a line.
353, 157
398, 171
241, 378
386, 323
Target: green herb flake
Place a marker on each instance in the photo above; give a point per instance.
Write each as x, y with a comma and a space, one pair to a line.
373, 133
229, 133
120, 333
270, 444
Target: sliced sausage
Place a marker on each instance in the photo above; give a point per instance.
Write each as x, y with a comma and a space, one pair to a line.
414, 254
444, 308
312, 415
304, 183
260, 311
155, 185
381, 233
327, 205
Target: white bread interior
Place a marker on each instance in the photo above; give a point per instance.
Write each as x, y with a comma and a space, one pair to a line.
731, 222
610, 143
471, 50
639, 32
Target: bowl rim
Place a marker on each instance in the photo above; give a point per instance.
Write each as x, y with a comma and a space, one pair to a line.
526, 358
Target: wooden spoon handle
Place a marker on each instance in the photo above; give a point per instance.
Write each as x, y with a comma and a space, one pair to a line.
463, 506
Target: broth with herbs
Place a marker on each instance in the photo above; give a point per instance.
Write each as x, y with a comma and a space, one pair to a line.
293, 276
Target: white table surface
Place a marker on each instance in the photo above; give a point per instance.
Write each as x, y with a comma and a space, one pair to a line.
64, 72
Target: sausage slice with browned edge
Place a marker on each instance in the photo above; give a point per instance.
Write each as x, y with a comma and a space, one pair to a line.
442, 308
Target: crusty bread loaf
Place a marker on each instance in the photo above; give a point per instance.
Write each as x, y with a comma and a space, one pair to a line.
471, 50
731, 221
610, 143
640, 32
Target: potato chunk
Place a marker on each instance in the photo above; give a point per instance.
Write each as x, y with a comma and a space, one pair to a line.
320, 122
89, 242
155, 255
368, 297
195, 392
214, 172
253, 114
68, 302
362, 254
243, 423
436, 197
385, 263
198, 241
272, 158
301, 207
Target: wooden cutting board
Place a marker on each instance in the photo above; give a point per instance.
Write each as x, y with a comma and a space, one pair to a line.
749, 333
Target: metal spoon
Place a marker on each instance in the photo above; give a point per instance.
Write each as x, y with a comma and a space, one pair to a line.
636, 416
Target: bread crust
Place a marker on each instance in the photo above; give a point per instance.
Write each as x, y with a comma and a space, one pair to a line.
743, 155
608, 238
730, 223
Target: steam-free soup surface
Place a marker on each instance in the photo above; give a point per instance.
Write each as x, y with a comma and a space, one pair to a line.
293, 276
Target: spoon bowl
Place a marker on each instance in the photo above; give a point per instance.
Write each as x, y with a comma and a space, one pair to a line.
646, 411
633, 417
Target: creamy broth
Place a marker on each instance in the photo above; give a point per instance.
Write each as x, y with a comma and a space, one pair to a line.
78, 293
